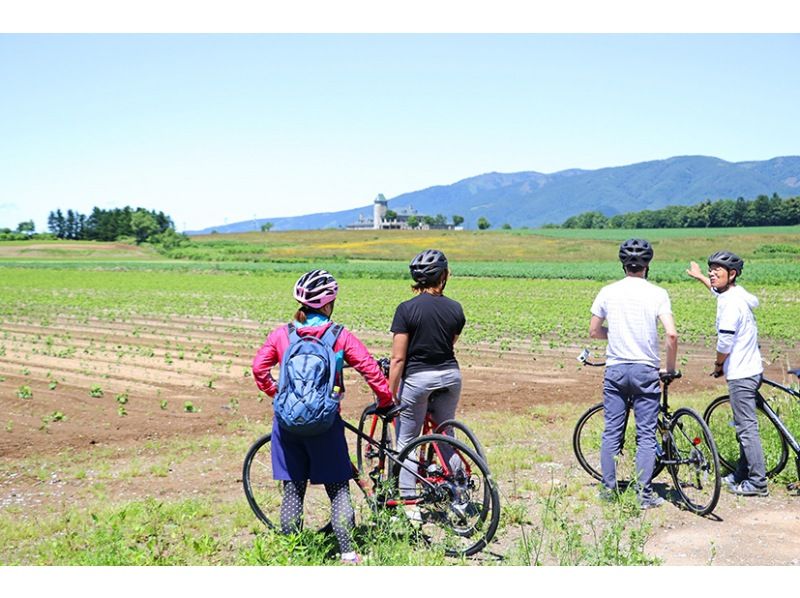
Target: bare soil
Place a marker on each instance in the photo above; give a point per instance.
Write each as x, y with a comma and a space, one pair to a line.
206, 362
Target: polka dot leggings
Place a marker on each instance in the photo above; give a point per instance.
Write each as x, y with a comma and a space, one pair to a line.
342, 514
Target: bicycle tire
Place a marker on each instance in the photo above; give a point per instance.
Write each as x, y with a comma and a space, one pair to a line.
461, 429
586, 443
695, 465
265, 494
458, 501
719, 417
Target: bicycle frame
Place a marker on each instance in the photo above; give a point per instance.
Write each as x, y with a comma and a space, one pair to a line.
663, 423
664, 414
383, 453
662, 426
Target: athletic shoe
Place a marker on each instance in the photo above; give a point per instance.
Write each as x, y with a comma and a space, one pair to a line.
351, 558
652, 501
730, 480
607, 495
746, 488
414, 515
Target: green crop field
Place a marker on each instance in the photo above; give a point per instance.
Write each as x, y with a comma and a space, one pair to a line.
148, 354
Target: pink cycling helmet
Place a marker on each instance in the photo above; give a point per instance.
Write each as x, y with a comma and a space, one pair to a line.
316, 288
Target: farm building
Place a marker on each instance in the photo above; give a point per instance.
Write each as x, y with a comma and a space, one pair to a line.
403, 219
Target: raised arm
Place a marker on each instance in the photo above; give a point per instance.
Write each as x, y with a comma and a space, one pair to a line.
695, 272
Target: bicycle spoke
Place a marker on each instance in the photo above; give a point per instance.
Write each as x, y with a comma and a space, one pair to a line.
457, 505
265, 494
719, 416
694, 462
587, 441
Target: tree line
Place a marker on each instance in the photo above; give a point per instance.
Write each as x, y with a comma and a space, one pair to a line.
109, 225
762, 211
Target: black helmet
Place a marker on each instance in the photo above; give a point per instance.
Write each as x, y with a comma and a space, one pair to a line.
727, 259
635, 252
427, 267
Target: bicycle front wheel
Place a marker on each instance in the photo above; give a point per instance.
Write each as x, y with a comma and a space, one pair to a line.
587, 440
458, 501
719, 416
265, 494
693, 461
367, 453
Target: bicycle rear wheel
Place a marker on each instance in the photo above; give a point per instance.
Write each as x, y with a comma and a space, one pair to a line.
265, 494
719, 417
459, 505
460, 431
694, 462
587, 439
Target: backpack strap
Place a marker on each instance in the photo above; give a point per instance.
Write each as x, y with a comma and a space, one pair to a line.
331, 334
291, 330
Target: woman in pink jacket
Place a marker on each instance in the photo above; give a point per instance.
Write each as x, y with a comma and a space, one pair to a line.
324, 458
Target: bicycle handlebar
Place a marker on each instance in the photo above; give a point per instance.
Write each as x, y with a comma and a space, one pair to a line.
584, 359
665, 376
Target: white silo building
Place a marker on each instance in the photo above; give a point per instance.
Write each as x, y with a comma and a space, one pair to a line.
379, 208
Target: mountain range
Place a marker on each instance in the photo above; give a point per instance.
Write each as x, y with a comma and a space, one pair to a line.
533, 198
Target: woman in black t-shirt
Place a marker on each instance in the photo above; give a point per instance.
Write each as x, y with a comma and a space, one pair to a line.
425, 328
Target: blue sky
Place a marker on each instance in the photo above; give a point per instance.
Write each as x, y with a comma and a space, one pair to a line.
222, 128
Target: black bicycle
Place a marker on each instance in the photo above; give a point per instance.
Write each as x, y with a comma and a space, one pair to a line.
455, 501
687, 449
776, 439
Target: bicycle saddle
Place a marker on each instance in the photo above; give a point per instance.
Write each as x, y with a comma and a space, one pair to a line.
795, 371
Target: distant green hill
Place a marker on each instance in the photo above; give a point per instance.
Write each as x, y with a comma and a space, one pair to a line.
533, 199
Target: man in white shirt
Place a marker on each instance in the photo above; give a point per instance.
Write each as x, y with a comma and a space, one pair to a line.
632, 308
739, 360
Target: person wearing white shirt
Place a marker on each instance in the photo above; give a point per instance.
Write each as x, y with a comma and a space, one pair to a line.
632, 308
739, 360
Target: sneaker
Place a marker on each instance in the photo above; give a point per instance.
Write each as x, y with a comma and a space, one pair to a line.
746, 488
351, 558
606, 494
650, 502
730, 480
413, 514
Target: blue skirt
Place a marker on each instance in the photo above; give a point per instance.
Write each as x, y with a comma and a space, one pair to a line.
322, 459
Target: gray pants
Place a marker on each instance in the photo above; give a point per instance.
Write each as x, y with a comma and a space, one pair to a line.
751, 456
415, 392
637, 383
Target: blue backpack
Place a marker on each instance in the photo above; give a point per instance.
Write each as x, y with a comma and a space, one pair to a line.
307, 402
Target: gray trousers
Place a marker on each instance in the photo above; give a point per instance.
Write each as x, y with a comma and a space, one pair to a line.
415, 392
637, 383
751, 455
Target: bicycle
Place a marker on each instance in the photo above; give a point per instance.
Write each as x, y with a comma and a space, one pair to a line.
367, 455
775, 436
458, 501
687, 448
